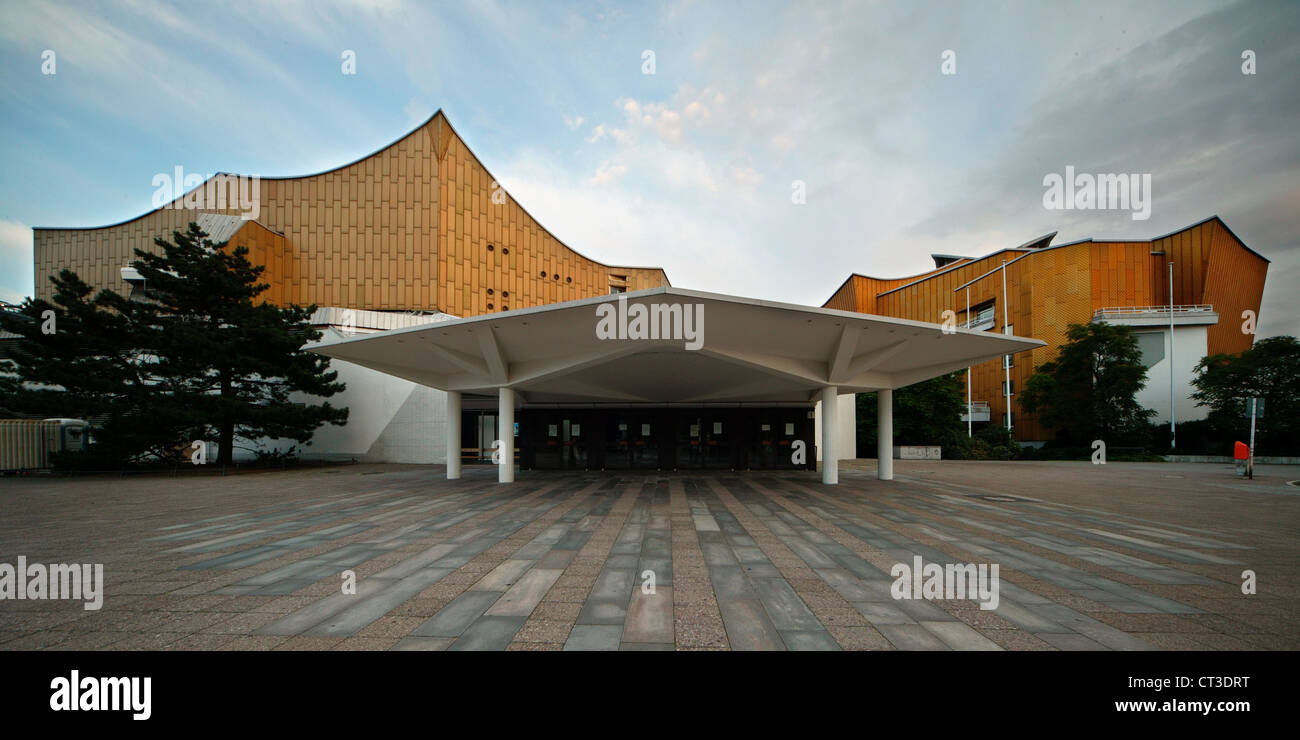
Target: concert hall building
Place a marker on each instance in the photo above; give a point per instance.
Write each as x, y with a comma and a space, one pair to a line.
1188, 294
458, 321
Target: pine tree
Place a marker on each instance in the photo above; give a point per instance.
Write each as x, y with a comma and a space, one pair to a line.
80, 357
199, 356
232, 362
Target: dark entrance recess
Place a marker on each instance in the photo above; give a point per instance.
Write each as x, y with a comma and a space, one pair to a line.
663, 438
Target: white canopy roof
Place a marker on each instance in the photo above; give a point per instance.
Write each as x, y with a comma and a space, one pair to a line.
749, 351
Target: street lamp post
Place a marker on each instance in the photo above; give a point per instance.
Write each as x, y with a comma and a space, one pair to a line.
970, 406
1173, 410
1006, 366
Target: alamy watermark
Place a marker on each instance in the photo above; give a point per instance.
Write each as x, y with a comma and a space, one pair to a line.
680, 321
1102, 192
221, 192
952, 581
37, 581
107, 694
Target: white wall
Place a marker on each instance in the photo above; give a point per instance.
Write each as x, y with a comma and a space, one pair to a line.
416, 433
389, 419
1189, 348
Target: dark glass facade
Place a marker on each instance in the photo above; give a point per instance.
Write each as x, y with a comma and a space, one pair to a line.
668, 438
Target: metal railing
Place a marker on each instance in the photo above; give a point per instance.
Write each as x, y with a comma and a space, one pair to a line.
481, 454
1125, 312
982, 320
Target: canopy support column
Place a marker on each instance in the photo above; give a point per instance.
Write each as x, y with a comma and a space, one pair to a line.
453, 435
830, 429
506, 435
885, 434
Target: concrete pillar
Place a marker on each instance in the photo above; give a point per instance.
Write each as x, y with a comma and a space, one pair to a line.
885, 434
506, 434
830, 432
453, 435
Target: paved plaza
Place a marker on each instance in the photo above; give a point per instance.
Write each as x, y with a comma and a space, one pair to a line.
1117, 557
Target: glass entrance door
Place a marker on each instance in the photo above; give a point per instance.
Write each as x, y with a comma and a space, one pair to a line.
644, 442
632, 441
559, 440
705, 440
574, 447
487, 434
617, 443
773, 436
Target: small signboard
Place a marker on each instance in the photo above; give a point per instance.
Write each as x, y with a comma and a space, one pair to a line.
1259, 408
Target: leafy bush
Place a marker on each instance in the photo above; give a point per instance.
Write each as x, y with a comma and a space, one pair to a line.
993, 442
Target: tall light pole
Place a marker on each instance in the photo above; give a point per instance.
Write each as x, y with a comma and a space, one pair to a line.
1006, 366
1173, 411
970, 406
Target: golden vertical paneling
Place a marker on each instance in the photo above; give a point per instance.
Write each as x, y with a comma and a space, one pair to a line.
1234, 283
1052, 288
405, 228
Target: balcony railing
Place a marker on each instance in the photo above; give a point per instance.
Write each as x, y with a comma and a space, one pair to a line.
979, 411
1147, 312
982, 320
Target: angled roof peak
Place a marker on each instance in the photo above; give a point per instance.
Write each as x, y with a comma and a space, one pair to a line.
1038, 242
440, 132
943, 260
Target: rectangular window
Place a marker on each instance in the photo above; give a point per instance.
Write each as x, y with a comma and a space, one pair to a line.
1012, 387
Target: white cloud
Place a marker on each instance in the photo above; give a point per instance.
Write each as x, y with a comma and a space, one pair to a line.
601, 131
607, 173
658, 118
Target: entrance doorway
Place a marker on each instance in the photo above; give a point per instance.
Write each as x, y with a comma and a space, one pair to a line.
667, 438
561, 442
632, 442
706, 440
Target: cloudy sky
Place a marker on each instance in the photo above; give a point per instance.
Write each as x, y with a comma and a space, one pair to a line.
691, 167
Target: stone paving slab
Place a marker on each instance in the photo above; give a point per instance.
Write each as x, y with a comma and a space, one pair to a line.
595, 637
488, 633
525, 595
650, 617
